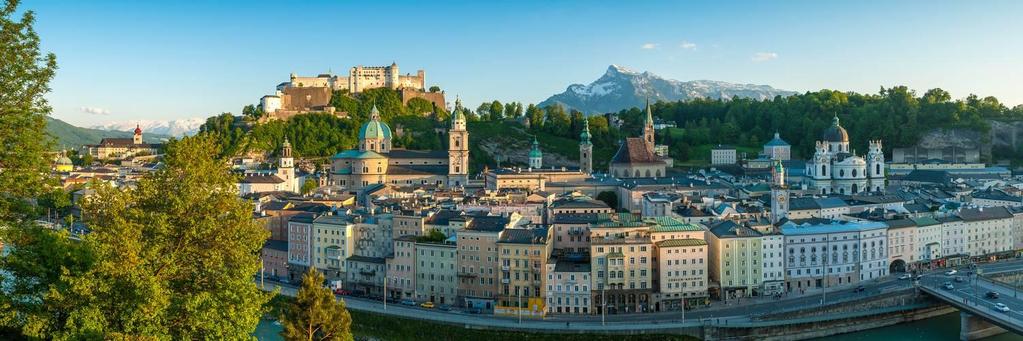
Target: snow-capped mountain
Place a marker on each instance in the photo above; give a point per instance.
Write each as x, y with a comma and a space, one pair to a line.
176, 128
621, 88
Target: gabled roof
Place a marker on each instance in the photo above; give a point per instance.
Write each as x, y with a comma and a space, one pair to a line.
731, 229
524, 236
634, 150
988, 213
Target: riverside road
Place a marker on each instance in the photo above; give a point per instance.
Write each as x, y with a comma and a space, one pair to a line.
719, 313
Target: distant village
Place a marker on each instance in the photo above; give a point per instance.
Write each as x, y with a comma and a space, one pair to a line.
639, 236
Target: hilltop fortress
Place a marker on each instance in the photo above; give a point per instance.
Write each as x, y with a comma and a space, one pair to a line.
302, 94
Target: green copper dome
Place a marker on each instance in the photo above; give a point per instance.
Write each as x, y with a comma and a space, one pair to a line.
375, 128
535, 152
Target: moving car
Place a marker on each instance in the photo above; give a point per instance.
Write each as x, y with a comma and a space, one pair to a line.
408, 302
991, 295
951, 272
1001, 307
960, 279
427, 305
949, 286
859, 289
444, 307
906, 276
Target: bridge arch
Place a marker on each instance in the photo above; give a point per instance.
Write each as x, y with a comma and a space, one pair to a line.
897, 265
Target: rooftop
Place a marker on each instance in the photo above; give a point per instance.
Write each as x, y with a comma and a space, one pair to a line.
681, 242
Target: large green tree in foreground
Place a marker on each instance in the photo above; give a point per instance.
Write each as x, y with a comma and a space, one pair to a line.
37, 258
25, 75
174, 256
316, 314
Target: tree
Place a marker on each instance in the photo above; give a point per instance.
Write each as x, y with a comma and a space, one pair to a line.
315, 314
252, 112
609, 198
174, 257
434, 88
25, 75
483, 111
535, 115
38, 258
496, 111
309, 185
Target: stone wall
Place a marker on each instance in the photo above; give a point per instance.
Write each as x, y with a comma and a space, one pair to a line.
437, 98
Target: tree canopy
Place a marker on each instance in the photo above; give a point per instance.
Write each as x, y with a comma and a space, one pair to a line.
315, 314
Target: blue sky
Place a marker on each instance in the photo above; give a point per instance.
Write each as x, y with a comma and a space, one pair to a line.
130, 60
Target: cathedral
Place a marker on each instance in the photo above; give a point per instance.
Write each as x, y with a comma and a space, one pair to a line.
834, 169
377, 162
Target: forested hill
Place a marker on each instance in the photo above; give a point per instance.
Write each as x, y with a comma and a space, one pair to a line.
69, 136
895, 115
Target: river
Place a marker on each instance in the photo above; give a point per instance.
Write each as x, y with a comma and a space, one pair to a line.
945, 327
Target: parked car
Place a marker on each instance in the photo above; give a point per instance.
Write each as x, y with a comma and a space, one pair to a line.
427, 305
342, 292
475, 310
408, 302
918, 277
859, 289
906, 276
444, 307
991, 295
949, 286
951, 272
960, 279
1001, 307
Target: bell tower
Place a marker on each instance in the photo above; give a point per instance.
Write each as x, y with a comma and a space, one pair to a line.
286, 167
458, 148
779, 193
585, 149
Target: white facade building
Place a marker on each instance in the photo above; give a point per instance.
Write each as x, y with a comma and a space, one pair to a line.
822, 253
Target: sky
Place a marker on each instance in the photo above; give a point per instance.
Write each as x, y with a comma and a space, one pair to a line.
134, 60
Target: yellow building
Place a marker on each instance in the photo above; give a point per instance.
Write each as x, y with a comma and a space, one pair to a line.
523, 255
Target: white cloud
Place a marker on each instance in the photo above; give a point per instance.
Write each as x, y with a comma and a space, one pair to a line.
687, 45
95, 110
763, 56
649, 46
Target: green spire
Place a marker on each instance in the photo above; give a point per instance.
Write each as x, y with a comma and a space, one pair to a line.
584, 137
535, 152
456, 113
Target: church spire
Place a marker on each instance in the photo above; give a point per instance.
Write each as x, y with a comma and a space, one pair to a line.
649, 113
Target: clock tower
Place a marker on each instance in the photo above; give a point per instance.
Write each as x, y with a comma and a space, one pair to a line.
779, 193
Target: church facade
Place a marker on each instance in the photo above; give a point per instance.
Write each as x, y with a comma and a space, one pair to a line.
377, 162
836, 169
636, 158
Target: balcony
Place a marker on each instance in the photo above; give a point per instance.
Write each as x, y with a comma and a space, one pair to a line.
468, 274
505, 280
367, 272
576, 232
504, 268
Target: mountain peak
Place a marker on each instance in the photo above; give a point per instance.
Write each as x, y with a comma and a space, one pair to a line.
622, 88
618, 69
